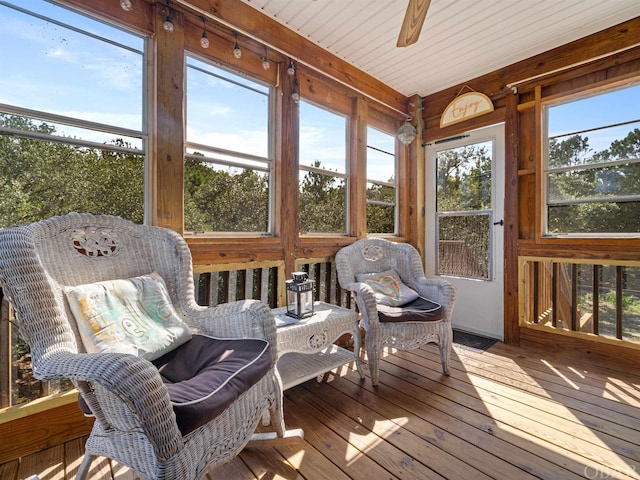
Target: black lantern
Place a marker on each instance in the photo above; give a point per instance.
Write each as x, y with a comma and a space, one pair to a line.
300, 295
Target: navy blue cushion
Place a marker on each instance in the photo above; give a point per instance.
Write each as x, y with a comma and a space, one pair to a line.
419, 310
205, 375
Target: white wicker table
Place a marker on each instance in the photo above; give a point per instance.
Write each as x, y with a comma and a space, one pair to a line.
306, 349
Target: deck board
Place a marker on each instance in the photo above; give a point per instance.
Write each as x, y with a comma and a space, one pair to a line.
508, 413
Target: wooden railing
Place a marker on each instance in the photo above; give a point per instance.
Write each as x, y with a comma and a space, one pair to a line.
581, 297
214, 284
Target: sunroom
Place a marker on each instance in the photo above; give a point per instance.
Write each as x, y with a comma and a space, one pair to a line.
504, 145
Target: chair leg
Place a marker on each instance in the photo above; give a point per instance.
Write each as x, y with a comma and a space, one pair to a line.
373, 357
83, 470
276, 409
445, 351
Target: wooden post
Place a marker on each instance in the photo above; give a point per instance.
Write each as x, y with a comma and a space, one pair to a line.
511, 224
358, 169
288, 161
168, 162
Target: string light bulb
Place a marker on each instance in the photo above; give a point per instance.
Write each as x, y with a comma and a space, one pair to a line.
168, 24
204, 41
126, 5
236, 49
291, 71
265, 60
295, 95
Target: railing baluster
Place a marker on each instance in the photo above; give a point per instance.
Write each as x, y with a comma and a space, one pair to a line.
5, 353
597, 269
214, 285
263, 286
554, 295
574, 296
536, 292
619, 301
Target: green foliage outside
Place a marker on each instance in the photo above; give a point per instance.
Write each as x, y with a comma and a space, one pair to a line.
221, 201
41, 178
464, 185
590, 187
607, 298
381, 218
322, 203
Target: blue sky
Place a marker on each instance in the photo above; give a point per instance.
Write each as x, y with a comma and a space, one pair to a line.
614, 107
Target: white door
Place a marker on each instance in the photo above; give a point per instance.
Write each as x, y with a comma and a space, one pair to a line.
464, 226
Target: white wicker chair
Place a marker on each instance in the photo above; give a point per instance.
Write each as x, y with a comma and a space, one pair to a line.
374, 255
134, 419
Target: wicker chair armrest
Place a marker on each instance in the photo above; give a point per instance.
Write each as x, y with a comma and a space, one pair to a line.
240, 319
135, 391
438, 290
366, 300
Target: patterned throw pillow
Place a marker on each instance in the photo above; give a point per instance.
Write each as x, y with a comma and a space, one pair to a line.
389, 289
127, 316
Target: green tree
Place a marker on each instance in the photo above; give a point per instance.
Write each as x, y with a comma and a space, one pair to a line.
464, 179
322, 203
221, 201
588, 186
381, 218
41, 178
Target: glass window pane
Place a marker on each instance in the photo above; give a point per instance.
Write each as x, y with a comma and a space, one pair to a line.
616, 181
80, 70
381, 157
464, 245
71, 72
595, 217
381, 188
225, 199
464, 178
41, 179
323, 138
381, 218
227, 171
322, 203
614, 107
225, 110
593, 164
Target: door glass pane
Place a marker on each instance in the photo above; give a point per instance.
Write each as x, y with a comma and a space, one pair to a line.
463, 210
464, 245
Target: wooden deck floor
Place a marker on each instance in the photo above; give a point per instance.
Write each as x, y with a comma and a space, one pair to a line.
506, 413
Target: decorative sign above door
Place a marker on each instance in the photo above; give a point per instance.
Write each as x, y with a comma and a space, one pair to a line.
464, 107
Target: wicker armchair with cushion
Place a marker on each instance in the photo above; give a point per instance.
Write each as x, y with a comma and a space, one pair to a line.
175, 388
400, 307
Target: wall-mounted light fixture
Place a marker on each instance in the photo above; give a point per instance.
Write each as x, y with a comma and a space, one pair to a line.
126, 5
407, 132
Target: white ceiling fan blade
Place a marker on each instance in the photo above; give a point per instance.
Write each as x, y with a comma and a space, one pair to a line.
413, 21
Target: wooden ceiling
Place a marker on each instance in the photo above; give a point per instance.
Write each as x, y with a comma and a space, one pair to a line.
460, 40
